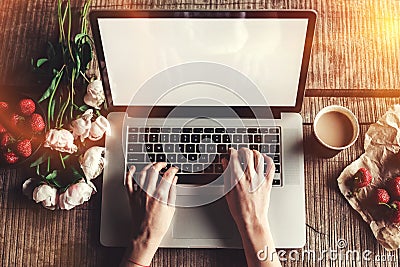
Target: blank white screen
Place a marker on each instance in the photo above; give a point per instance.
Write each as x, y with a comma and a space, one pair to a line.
268, 51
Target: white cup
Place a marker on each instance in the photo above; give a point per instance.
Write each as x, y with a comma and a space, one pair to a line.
336, 127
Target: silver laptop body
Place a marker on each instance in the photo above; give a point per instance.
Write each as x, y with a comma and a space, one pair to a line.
238, 74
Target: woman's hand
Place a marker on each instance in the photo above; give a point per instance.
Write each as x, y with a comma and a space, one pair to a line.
152, 201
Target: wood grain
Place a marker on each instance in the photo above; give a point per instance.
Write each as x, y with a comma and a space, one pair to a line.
357, 43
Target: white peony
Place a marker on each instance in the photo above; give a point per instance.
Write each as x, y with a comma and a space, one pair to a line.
60, 140
92, 162
100, 126
76, 195
47, 195
94, 94
81, 127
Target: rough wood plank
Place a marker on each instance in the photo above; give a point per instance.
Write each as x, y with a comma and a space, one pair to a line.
357, 43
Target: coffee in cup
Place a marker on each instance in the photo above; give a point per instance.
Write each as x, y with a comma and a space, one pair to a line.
336, 127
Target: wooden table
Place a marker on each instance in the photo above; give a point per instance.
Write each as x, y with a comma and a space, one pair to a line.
356, 47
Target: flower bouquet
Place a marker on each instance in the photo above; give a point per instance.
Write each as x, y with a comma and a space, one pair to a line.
71, 158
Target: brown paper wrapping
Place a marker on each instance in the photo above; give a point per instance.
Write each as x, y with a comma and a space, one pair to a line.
381, 145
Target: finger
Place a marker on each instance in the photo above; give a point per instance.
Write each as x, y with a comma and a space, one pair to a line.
129, 178
152, 177
140, 178
270, 170
235, 169
258, 179
247, 158
172, 192
164, 186
227, 175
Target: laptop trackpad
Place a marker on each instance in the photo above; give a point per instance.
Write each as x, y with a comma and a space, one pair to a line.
212, 221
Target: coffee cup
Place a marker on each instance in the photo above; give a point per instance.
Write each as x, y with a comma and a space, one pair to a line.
336, 127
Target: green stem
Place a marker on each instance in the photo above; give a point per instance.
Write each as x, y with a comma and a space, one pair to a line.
62, 160
63, 110
69, 29
59, 74
48, 164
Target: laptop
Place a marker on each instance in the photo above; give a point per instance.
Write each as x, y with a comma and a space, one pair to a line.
185, 86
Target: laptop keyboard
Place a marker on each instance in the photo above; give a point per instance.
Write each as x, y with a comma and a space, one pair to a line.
199, 150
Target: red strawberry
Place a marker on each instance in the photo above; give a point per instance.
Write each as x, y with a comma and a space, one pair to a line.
10, 157
394, 215
5, 141
362, 178
2, 129
380, 196
393, 187
26, 107
37, 123
3, 106
24, 148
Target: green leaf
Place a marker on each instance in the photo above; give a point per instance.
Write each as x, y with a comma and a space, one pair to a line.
52, 175
39, 161
83, 108
50, 89
76, 174
41, 61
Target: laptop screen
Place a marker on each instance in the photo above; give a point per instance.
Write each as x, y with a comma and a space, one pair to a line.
266, 52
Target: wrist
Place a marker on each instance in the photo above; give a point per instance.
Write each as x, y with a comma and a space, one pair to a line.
142, 250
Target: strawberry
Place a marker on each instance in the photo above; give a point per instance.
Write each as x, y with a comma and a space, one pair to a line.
26, 107
362, 178
37, 123
380, 196
393, 187
5, 141
10, 157
24, 148
394, 215
3, 106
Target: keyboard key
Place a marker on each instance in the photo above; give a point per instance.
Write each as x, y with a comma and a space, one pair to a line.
192, 157
165, 130
171, 158
213, 158
211, 148
257, 138
276, 159
190, 148
174, 138
169, 148
178, 165
252, 130
198, 130
187, 130
218, 168
241, 130
264, 149
155, 130
133, 138
230, 130
187, 167
153, 138
276, 182
206, 138
195, 138
180, 148
197, 167
143, 138
274, 148
135, 148
253, 147
219, 130
203, 158
176, 130
234, 146
248, 138
148, 147
264, 130
209, 169
133, 130
144, 130
200, 148
164, 138
216, 138
161, 158
151, 157
181, 158
271, 138
237, 138
209, 130
135, 157
185, 138
158, 148
226, 138
274, 130
277, 168
222, 149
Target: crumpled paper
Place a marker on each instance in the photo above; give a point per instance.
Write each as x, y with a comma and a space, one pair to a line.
381, 145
